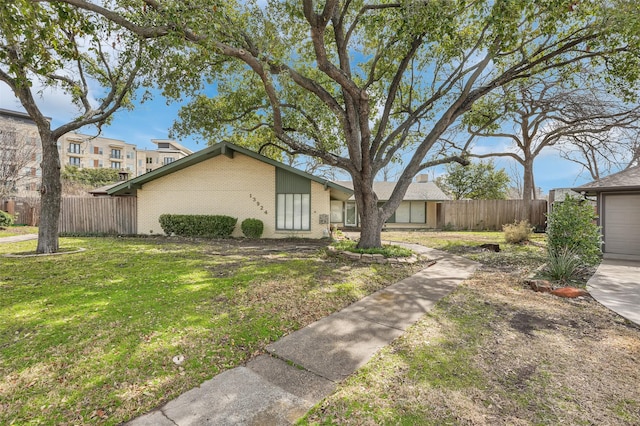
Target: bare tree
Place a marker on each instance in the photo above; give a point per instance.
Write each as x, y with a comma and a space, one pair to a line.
603, 154
539, 113
17, 154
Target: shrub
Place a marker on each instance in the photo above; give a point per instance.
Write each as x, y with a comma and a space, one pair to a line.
210, 226
5, 219
571, 226
252, 228
517, 232
563, 263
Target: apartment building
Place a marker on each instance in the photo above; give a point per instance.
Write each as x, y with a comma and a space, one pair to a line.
97, 152
21, 153
167, 152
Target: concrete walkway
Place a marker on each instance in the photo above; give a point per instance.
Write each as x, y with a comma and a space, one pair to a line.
18, 238
616, 284
304, 367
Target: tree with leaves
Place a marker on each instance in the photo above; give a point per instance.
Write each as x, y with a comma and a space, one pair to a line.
357, 83
92, 178
476, 181
92, 60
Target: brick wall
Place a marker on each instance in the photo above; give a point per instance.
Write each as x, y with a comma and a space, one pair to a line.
241, 187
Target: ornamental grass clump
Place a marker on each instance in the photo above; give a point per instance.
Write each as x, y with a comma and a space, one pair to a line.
517, 232
563, 263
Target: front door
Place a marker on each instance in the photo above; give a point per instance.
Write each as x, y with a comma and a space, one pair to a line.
351, 214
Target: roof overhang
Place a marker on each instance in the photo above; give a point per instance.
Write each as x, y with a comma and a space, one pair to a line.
597, 190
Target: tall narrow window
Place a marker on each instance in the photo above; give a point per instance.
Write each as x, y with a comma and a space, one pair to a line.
294, 212
293, 201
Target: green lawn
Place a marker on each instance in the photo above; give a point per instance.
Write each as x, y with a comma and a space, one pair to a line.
90, 337
18, 230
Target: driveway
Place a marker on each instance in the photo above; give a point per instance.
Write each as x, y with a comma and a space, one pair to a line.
616, 284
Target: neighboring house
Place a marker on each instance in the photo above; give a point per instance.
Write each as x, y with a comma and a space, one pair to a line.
418, 210
225, 179
558, 195
618, 198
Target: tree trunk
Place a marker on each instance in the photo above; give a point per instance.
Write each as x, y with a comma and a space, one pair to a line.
370, 228
370, 221
527, 189
51, 195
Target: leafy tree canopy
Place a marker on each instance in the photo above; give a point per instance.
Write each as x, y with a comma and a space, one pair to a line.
476, 181
90, 177
356, 83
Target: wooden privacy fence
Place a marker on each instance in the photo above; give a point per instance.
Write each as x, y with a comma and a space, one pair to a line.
480, 215
26, 210
108, 215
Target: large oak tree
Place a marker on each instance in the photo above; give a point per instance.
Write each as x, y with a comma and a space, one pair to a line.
541, 112
89, 58
357, 83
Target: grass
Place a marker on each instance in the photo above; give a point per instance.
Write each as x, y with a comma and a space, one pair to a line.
12, 231
494, 352
90, 337
387, 250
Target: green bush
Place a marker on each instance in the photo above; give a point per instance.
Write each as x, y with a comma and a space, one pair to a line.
517, 232
5, 219
252, 228
193, 225
571, 226
563, 263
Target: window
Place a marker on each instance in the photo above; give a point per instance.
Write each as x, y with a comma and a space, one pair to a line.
294, 212
74, 161
149, 170
336, 211
149, 160
115, 165
409, 212
168, 160
74, 148
116, 153
293, 201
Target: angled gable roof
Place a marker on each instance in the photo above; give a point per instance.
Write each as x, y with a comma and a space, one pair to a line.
417, 191
626, 180
223, 148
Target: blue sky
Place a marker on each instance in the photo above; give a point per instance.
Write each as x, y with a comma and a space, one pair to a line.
153, 119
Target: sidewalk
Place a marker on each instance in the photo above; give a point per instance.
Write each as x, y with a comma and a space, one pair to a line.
18, 238
616, 285
304, 367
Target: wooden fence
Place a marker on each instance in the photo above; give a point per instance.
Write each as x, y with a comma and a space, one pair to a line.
479, 215
104, 215
26, 210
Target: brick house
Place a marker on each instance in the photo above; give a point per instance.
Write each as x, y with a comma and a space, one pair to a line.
230, 180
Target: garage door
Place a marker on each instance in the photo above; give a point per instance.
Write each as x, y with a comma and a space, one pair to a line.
622, 224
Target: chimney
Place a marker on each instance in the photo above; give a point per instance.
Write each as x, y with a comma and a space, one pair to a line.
424, 178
